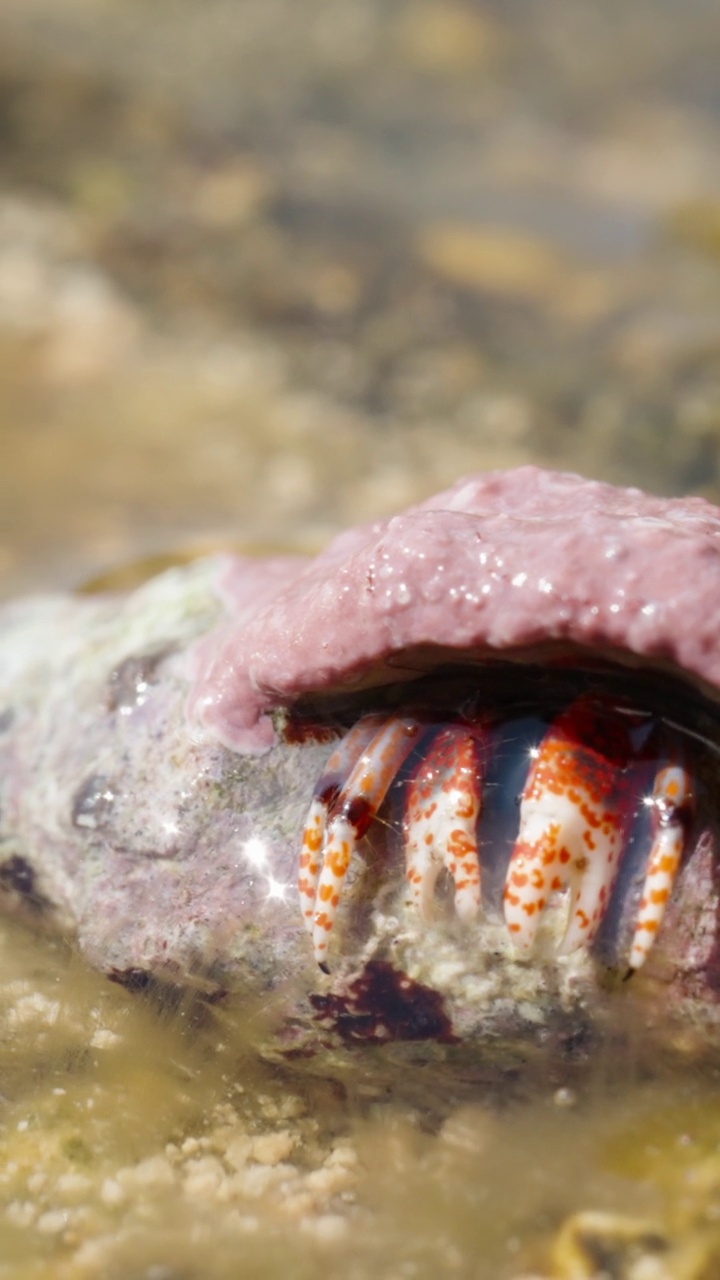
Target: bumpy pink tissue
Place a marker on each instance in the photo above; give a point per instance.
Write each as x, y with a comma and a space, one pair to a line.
500, 564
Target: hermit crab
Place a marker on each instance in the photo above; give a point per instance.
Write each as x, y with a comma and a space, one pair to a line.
470, 753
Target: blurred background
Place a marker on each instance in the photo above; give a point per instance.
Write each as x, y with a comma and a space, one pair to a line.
271, 267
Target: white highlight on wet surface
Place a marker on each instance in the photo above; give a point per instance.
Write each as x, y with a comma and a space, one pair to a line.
255, 852
277, 889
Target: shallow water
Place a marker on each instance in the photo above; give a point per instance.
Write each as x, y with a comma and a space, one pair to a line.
141, 1142
248, 282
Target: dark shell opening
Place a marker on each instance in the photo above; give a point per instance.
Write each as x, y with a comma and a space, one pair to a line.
663, 722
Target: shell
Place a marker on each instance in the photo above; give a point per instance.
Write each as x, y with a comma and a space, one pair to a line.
507, 564
151, 803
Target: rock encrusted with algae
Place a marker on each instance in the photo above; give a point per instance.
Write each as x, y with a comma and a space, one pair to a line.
159, 750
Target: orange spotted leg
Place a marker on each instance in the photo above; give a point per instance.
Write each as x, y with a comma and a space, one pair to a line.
351, 815
327, 790
671, 801
442, 808
573, 816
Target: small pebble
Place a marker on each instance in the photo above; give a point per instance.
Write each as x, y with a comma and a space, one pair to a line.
565, 1098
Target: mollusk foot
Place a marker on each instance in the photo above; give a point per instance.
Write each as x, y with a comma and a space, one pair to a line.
597, 769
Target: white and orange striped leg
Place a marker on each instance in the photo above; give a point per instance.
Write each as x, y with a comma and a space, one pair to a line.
671, 800
443, 802
328, 788
573, 817
352, 813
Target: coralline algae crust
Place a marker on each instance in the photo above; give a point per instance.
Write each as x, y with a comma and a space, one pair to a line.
497, 566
